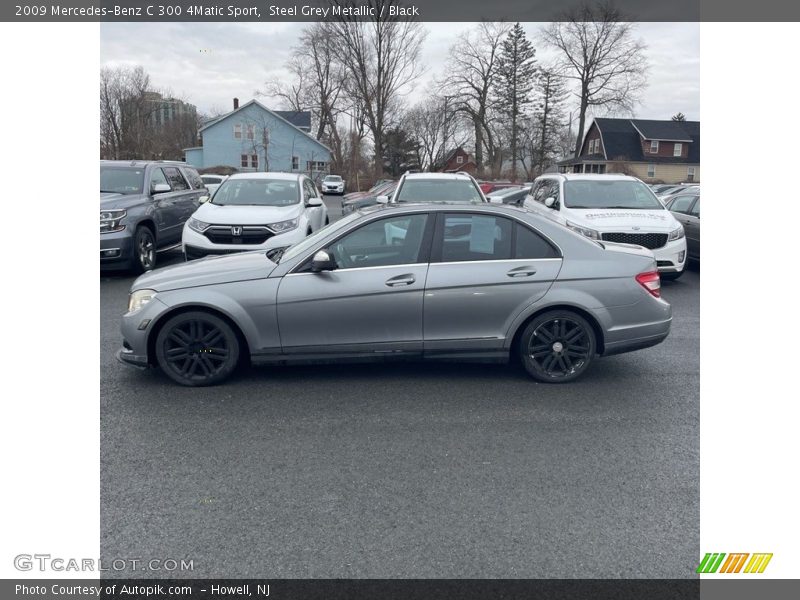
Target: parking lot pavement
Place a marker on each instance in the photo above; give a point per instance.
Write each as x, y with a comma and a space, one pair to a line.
407, 470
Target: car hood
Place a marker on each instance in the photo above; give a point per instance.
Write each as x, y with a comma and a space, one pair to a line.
212, 270
112, 200
246, 215
626, 220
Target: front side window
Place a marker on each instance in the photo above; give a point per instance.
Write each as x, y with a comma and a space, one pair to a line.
469, 237
439, 190
681, 204
394, 241
606, 194
156, 177
257, 192
175, 179
695, 212
121, 180
678, 151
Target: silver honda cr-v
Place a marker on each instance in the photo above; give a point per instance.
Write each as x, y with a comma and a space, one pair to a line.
454, 282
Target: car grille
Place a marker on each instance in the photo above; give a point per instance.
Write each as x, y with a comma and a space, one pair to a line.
248, 234
648, 240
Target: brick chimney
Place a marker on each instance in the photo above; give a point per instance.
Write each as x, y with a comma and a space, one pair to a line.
235, 103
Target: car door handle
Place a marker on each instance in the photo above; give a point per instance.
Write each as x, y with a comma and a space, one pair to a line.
400, 280
524, 271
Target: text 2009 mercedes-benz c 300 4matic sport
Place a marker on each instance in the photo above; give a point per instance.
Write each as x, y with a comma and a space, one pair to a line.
433, 281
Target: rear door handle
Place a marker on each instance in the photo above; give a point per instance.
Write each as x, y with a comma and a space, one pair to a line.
400, 280
524, 271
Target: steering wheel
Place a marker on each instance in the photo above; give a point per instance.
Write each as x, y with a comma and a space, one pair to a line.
342, 258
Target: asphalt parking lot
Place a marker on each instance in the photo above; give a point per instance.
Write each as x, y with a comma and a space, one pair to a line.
407, 470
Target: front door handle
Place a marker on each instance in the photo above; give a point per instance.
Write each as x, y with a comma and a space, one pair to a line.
407, 279
524, 271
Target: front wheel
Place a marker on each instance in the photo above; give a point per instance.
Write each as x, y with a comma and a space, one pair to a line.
557, 346
197, 348
144, 247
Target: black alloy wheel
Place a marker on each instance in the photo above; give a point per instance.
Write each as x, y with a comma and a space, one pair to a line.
197, 348
145, 250
557, 346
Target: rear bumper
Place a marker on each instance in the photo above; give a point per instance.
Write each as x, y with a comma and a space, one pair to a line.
638, 337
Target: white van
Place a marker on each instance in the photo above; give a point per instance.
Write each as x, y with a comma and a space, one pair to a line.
614, 208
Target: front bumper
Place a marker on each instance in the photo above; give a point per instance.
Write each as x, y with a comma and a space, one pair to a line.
116, 249
196, 245
333, 190
135, 328
672, 257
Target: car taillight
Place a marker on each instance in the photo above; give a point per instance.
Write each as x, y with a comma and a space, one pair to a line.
651, 282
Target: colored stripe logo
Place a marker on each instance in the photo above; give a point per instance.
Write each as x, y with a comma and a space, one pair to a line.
714, 562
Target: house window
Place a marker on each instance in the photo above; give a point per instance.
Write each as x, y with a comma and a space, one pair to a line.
654, 147
295, 163
244, 160
459, 159
690, 174
251, 132
678, 150
237, 131
254, 161
651, 170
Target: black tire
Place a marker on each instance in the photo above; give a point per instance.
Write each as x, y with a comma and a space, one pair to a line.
557, 346
144, 250
197, 349
327, 220
671, 276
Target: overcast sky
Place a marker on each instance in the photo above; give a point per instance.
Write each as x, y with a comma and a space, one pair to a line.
208, 64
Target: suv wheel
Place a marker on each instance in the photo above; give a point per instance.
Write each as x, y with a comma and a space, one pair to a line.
557, 346
197, 348
144, 248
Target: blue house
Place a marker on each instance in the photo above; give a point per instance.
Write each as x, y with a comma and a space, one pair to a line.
254, 138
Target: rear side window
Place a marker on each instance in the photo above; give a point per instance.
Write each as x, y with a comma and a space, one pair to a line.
469, 237
175, 179
194, 178
529, 244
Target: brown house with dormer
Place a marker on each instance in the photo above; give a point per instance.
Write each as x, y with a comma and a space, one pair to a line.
458, 160
654, 151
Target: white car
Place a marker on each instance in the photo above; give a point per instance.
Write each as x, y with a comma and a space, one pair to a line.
436, 187
212, 181
255, 211
332, 184
614, 208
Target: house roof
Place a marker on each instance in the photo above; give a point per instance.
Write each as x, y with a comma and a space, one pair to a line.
298, 116
622, 140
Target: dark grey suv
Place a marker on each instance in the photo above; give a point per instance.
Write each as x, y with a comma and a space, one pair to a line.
143, 206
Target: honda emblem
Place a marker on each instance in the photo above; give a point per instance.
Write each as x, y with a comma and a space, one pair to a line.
236, 230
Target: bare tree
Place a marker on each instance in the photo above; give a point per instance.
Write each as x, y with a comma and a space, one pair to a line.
436, 128
380, 58
472, 68
599, 52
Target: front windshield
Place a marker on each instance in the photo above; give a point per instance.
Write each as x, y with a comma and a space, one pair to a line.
257, 192
312, 239
122, 180
614, 193
334, 178
439, 190
506, 192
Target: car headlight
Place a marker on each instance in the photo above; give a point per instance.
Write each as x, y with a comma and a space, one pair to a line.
139, 298
584, 231
110, 220
196, 225
283, 226
676, 234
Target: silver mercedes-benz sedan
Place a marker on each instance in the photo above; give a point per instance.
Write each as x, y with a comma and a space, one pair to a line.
433, 281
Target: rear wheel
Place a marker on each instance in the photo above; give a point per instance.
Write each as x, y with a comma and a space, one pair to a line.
144, 249
557, 346
197, 348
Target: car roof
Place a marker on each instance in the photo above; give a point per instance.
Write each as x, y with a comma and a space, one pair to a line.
286, 176
436, 176
143, 163
589, 177
507, 209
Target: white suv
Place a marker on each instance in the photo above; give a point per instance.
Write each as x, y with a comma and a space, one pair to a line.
436, 187
255, 211
614, 208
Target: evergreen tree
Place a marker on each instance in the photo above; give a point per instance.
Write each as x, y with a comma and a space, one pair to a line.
679, 117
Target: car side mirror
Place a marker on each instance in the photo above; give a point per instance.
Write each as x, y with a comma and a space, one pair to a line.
204, 199
382, 199
551, 203
160, 188
322, 261
314, 202
495, 200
